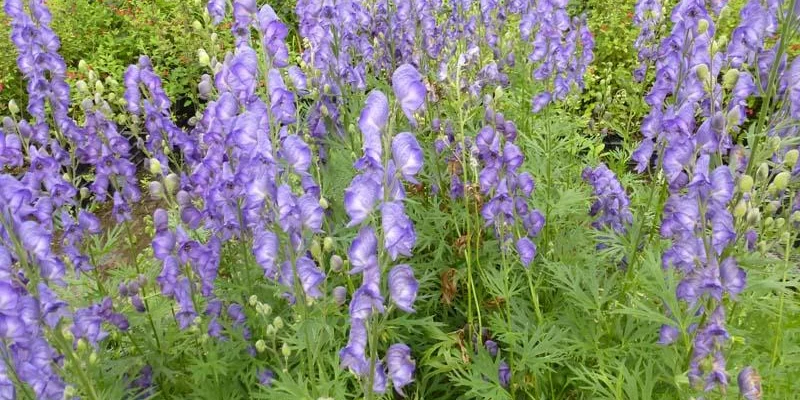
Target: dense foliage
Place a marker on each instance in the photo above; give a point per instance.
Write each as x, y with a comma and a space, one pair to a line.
410, 198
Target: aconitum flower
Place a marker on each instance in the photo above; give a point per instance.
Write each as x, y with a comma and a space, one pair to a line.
527, 250
504, 374
749, 384
87, 321
407, 155
410, 90
216, 9
401, 366
371, 122
353, 356
403, 287
365, 302
265, 377
310, 276
360, 198
363, 252
611, 206
398, 230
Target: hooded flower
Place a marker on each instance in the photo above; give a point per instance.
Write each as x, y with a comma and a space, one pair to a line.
401, 366
407, 155
360, 198
398, 230
403, 287
409, 90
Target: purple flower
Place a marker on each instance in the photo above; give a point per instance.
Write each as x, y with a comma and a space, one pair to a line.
340, 295
216, 9
504, 374
360, 198
527, 250
310, 276
379, 379
401, 366
371, 122
398, 230
407, 155
409, 90
353, 356
668, 334
733, 278
265, 249
491, 347
265, 377
363, 251
296, 153
611, 206
540, 101
750, 384
365, 301
403, 287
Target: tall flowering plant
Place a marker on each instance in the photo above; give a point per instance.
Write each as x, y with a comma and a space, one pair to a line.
388, 160
697, 126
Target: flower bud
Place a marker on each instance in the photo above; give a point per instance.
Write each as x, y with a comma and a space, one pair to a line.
92, 76
252, 300
278, 323
13, 107
323, 203
155, 166
340, 295
171, 182
782, 180
214, 37
740, 210
197, 25
733, 117
702, 72
780, 222
271, 331
316, 249
753, 216
99, 88
702, 26
93, 358
763, 172
746, 183
769, 221
774, 143
203, 58
790, 159
156, 190
82, 87
263, 309
336, 263
772, 207
83, 66
261, 346
69, 392
327, 244
323, 109
286, 350
84, 193
786, 237
498, 92
795, 218
82, 345
730, 78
